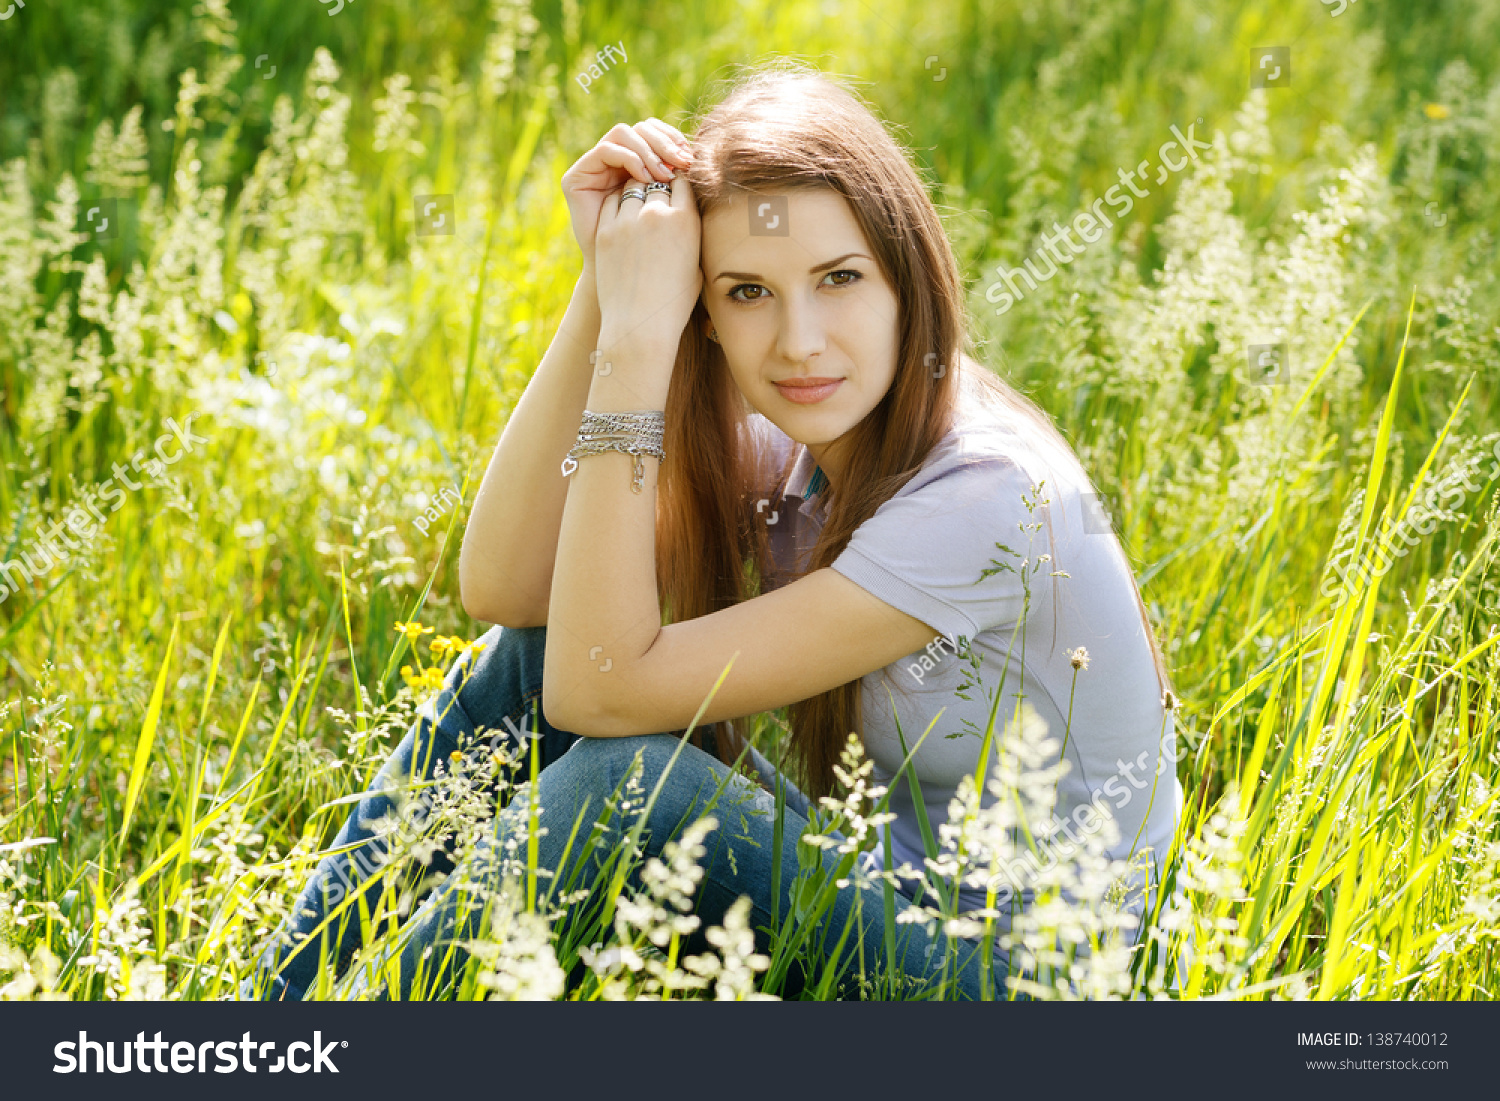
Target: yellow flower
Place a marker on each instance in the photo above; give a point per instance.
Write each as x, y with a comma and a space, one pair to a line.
443, 645
1436, 111
413, 631
428, 680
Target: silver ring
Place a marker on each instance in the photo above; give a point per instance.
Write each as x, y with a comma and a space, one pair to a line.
633, 193
657, 185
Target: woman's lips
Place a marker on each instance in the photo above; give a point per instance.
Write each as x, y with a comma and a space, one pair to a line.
807, 391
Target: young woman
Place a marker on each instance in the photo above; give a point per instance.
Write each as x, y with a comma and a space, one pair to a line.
784, 306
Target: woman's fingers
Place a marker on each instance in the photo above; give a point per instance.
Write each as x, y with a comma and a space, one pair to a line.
652, 165
623, 159
658, 145
672, 146
612, 207
648, 151
671, 131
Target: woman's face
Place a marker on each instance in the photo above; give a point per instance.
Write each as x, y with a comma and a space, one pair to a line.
797, 299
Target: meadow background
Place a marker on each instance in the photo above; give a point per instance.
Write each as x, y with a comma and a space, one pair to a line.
218, 661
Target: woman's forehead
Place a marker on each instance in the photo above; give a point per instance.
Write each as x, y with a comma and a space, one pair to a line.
784, 226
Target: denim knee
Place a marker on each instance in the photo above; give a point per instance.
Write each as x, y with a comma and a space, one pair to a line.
593, 770
497, 688
601, 764
503, 650
612, 753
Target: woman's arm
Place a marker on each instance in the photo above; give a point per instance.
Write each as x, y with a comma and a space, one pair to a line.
510, 543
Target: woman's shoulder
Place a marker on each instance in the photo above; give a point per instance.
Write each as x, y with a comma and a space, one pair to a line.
998, 428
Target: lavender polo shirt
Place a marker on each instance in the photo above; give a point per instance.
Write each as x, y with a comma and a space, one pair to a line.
923, 552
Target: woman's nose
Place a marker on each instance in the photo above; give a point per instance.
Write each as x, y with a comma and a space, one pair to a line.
802, 334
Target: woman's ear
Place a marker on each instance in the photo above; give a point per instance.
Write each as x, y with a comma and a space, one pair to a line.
701, 318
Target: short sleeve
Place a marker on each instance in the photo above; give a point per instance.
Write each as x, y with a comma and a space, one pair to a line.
930, 550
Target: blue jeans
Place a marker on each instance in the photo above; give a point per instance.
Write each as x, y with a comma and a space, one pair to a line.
496, 696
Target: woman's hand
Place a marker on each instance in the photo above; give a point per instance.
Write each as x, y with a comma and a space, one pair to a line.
647, 268
643, 152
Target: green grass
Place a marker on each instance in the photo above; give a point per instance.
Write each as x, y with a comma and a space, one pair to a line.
186, 702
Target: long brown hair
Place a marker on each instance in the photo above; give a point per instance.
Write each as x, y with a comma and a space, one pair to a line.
783, 127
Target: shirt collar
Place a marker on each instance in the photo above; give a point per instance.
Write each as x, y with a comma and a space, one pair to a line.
807, 482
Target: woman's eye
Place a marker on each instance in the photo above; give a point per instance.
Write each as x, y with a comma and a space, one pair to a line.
734, 292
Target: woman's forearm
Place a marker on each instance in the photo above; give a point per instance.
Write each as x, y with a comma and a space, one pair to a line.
606, 613
510, 543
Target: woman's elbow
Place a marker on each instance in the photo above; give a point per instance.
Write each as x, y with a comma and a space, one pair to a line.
480, 603
481, 614
483, 607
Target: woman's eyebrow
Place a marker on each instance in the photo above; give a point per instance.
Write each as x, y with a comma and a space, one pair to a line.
810, 271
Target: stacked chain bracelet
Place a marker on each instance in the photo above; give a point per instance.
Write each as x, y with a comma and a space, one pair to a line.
636, 434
